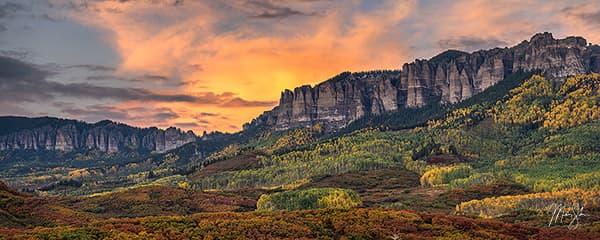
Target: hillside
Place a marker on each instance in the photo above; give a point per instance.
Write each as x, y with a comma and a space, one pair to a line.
313, 224
23, 210
512, 157
539, 136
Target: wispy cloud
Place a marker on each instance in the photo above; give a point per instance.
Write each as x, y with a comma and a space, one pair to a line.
471, 43
152, 116
269, 10
21, 81
238, 102
94, 67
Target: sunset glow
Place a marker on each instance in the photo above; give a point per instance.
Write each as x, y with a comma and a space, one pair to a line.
214, 65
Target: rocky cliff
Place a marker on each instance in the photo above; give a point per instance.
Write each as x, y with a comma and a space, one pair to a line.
107, 136
449, 77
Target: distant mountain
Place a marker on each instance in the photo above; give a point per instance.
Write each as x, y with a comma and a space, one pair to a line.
449, 77
48, 133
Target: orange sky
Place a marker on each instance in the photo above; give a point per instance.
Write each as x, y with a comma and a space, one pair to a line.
255, 66
237, 56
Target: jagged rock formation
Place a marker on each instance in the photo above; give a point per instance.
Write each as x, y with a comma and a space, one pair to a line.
449, 77
106, 136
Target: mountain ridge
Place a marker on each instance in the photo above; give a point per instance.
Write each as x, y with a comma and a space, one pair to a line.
449, 77
47, 133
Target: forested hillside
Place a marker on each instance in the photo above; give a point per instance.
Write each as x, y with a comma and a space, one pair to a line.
514, 153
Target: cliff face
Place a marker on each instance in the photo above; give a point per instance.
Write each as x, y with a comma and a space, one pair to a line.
450, 77
107, 136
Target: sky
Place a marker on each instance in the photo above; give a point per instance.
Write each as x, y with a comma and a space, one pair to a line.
211, 65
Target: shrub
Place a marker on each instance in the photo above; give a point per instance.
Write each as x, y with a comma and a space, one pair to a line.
442, 175
309, 199
539, 202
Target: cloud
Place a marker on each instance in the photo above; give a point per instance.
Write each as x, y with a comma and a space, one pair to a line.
14, 109
21, 81
471, 43
201, 117
186, 125
270, 10
87, 90
96, 112
9, 9
177, 2
584, 13
207, 114
238, 102
143, 79
110, 77
164, 116
163, 2
94, 67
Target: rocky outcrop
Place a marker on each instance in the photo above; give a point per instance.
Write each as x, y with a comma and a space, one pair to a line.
106, 136
450, 77
338, 101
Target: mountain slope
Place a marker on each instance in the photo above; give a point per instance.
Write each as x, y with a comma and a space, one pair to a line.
537, 136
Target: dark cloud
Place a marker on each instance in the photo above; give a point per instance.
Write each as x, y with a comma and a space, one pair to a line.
238, 102
207, 114
470, 43
25, 82
201, 117
139, 79
93, 67
100, 92
269, 10
187, 125
155, 78
203, 121
14, 68
177, 2
579, 11
9, 9
164, 2
90, 5
20, 81
195, 67
110, 78
97, 112
162, 116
